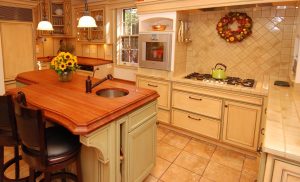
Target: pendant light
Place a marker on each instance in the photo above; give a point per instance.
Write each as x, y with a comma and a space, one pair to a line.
44, 24
86, 21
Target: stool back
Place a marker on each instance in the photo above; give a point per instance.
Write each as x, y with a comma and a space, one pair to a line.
31, 129
8, 128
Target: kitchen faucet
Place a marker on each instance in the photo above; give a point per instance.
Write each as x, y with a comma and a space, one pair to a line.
89, 86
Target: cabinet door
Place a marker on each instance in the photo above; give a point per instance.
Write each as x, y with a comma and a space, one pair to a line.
241, 124
17, 47
285, 172
142, 150
161, 87
68, 18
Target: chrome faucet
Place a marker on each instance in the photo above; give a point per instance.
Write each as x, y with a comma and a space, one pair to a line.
89, 86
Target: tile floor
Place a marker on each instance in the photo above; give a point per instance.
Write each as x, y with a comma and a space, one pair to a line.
184, 159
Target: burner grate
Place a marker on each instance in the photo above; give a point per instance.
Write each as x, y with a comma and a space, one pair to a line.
229, 80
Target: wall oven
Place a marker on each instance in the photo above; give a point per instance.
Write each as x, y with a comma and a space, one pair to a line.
155, 50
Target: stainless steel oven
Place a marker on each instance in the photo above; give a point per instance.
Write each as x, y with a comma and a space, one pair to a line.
155, 51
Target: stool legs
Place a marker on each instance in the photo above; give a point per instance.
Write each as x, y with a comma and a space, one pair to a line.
17, 162
78, 168
1, 163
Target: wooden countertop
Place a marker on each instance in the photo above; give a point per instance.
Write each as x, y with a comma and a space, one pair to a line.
81, 60
67, 103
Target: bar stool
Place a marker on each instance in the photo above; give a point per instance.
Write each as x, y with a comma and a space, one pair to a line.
46, 149
9, 137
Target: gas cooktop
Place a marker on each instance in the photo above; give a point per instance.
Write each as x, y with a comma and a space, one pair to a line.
229, 80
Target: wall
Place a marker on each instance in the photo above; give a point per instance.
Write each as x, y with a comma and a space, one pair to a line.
2, 87
267, 51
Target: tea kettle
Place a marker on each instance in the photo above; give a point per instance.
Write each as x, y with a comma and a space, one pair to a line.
218, 72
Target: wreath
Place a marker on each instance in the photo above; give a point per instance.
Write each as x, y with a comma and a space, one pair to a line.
243, 30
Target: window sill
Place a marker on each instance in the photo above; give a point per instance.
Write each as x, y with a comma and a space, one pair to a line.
126, 66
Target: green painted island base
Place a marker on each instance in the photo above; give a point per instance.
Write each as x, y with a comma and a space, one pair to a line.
123, 150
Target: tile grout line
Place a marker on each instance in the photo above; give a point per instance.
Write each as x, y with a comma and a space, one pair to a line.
242, 168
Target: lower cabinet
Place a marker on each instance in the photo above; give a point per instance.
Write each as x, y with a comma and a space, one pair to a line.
285, 172
241, 124
142, 150
196, 123
278, 169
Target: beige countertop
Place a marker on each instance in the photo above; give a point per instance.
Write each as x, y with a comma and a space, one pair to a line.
261, 86
282, 136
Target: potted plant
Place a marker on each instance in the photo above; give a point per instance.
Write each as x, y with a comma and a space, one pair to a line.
64, 65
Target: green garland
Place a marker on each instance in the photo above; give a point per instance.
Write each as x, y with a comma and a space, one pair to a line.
244, 27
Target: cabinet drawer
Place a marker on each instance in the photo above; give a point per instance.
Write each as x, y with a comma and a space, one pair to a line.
285, 172
197, 103
161, 87
137, 118
163, 116
196, 123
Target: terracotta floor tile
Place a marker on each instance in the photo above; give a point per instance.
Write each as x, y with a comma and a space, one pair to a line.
200, 148
160, 167
251, 166
203, 179
150, 179
248, 178
192, 162
228, 158
221, 173
176, 139
167, 152
161, 132
178, 174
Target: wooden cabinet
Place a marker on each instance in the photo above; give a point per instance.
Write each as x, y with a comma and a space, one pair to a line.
163, 88
279, 169
196, 123
285, 172
142, 150
17, 48
92, 34
197, 103
59, 13
241, 124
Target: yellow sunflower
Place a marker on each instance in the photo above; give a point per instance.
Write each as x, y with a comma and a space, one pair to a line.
62, 66
67, 56
75, 59
70, 63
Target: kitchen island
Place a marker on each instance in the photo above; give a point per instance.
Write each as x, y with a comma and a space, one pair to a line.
118, 134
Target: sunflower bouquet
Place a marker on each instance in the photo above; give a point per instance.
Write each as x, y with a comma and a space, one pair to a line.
64, 62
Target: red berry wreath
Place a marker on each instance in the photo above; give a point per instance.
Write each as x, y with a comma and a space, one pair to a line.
243, 30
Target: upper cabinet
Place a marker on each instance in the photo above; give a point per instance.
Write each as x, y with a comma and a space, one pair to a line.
59, 13
92, 34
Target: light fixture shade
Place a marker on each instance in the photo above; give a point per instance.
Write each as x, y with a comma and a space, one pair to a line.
45, 25
86, 22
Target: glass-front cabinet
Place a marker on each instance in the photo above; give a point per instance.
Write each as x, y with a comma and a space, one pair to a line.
59, 13
92, 34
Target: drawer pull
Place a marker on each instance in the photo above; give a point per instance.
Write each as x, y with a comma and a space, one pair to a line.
194, 98
150, 85
198, 119
262, 131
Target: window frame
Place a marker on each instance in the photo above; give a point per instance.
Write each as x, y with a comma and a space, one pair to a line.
121, 36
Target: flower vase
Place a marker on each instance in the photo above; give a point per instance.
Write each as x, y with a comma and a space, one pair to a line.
65, 76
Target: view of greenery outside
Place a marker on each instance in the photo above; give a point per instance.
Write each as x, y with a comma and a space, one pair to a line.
129, 43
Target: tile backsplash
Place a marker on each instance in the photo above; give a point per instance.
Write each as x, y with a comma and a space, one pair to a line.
267, 51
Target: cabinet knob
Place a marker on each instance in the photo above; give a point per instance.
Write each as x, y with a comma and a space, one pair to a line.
226, 106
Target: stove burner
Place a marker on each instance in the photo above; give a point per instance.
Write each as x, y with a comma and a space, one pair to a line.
228, 80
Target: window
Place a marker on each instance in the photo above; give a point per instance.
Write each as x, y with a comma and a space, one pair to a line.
128, 37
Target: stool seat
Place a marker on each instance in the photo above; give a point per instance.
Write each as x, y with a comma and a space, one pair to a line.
46, 149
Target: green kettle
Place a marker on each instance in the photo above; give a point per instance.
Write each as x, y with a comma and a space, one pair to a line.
218, 72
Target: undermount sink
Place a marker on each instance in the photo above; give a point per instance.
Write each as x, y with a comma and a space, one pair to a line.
112, 92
